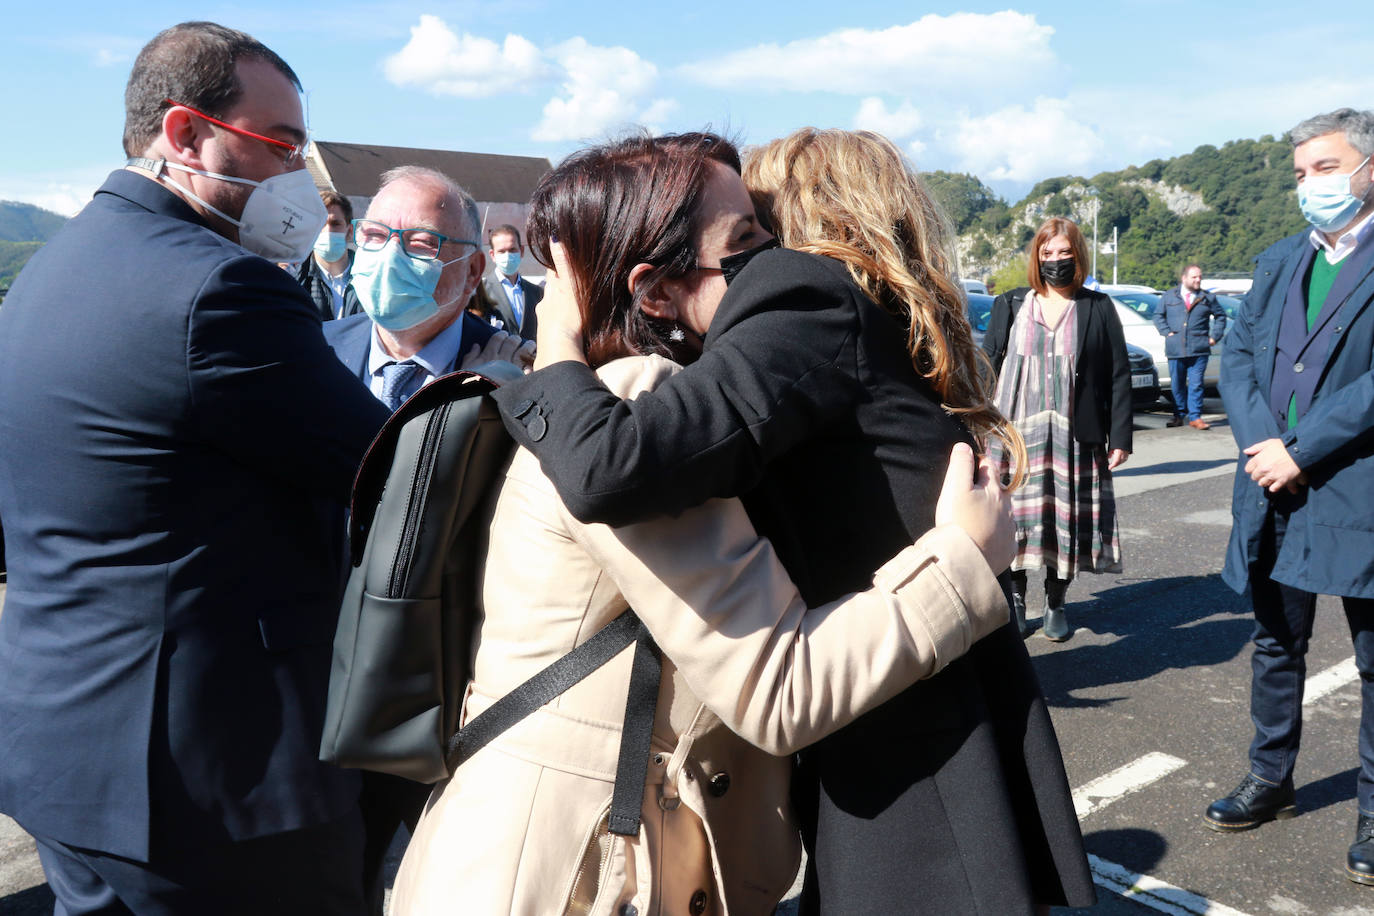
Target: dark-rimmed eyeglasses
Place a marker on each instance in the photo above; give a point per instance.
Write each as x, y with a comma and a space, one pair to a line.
420, 244
292, 154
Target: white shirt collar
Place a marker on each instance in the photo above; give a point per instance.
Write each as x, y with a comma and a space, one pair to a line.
1346, 242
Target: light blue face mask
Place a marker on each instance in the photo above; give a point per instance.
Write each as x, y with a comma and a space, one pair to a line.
395, 290
508, 262
331, 245
1326, 201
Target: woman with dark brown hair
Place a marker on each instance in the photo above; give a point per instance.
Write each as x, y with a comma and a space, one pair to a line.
749, 671
1064, 380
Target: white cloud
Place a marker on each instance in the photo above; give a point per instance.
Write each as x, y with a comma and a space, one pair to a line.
64, 193
961, 49
874, 115
445, 62
602, 88
1016, 144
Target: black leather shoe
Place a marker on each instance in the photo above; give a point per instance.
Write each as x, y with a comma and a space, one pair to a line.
1251, 804
1176, 421
1359, 861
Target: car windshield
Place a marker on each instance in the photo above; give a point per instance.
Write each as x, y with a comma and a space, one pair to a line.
1143, 304
979, 310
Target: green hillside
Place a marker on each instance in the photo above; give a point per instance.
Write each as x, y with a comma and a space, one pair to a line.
1217, 206
23, 230
27, 223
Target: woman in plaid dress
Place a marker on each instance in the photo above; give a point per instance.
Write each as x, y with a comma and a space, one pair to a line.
1064, 381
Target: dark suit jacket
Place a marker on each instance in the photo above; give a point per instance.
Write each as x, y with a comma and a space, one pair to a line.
351, 340
176, 445
1329, 544
1102, 375
806, 404
499, 305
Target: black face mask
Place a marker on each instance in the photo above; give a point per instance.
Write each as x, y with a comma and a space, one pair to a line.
732, 265
1058, 274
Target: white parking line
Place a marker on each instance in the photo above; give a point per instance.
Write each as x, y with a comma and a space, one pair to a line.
1121, 782
1156, 894
1329, 681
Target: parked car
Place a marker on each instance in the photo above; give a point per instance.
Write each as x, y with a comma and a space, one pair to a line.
974, 286
1144, 375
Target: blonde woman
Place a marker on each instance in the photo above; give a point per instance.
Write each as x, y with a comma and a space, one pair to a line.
833, 379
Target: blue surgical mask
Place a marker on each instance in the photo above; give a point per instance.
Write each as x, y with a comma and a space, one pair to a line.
394, 289
1326, 201
508, 262
331, 245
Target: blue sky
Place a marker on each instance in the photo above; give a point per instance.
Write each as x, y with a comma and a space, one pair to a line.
1012, 94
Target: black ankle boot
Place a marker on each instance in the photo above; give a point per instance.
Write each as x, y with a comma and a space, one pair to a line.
1359, 861
1018, 615
1252, 803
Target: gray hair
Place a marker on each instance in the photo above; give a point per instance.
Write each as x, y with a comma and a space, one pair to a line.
1358, 127
466, 222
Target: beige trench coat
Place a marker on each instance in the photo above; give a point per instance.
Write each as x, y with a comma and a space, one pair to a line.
749, 672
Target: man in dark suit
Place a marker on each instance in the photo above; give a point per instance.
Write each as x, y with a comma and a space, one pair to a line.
1298, 382
419, 234
416, 267
176, 445
511, 297
1191, 321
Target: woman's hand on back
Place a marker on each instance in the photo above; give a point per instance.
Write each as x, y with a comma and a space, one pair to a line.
560, 318
973, 499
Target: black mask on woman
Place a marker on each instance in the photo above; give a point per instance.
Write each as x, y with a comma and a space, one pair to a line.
1058, 274
732, 265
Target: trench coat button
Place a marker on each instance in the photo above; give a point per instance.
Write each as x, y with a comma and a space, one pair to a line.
720, 784
697, 906
522, 408
629, 910
536, 425
1297, 367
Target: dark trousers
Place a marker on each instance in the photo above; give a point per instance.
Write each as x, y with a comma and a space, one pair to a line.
1185, 378
1283, 628
312, 870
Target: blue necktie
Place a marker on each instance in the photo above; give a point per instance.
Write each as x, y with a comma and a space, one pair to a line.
395, 378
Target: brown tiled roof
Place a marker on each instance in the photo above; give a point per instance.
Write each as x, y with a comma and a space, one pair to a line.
354, 169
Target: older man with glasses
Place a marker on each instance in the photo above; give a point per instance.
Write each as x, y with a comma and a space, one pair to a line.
177, 445
417, 265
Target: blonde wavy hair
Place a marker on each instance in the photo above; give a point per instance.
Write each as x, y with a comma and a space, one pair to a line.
850, 195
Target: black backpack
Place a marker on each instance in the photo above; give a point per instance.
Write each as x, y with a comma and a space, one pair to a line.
421, 509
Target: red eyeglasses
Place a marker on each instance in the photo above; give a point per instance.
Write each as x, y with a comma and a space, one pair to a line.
293, 155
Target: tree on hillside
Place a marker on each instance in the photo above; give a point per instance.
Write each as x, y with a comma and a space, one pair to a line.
963, 197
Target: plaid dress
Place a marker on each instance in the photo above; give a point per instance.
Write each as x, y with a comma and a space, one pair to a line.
1065, 511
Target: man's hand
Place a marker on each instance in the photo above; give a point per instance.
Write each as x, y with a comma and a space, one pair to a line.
1272, 467
972, 499
501, 347
1116, 458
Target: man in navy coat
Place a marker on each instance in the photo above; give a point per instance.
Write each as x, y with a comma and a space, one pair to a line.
1192, 321
176, 446
1297, 379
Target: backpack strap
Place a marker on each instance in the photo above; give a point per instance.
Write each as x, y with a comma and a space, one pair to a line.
558, 677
